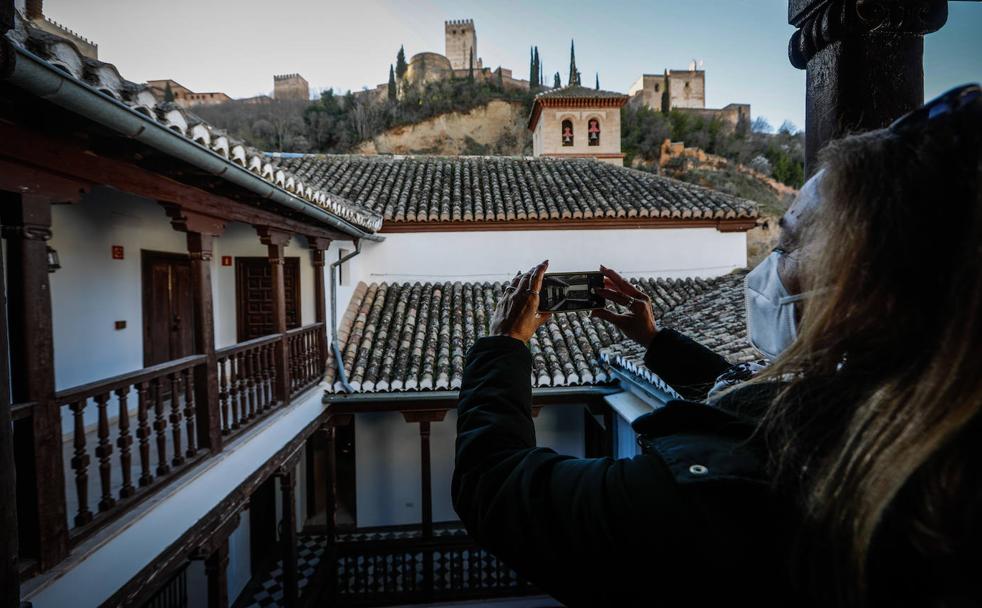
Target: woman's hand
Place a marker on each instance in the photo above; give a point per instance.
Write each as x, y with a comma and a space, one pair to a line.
517, 313
638, 323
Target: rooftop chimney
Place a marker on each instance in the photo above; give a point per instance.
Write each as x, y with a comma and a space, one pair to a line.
32, 8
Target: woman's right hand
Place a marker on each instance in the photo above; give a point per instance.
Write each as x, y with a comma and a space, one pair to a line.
638, 323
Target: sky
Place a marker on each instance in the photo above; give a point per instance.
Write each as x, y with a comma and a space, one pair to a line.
236, 46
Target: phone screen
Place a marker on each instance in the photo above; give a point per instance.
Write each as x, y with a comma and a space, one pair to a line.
565, 291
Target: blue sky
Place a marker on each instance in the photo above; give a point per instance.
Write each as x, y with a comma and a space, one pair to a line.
237, 45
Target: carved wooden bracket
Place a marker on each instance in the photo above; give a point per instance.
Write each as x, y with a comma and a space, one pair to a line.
184, 220
822, 22
318, 243
272, 236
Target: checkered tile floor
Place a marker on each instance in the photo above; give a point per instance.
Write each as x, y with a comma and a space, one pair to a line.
267, 589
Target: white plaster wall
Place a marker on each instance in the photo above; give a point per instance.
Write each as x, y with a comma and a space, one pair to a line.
387, 462
239, 564
496, 255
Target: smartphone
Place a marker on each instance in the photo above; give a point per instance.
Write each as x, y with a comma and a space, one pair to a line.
566, 291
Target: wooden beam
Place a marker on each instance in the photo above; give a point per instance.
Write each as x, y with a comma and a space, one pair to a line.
317, 250
276, 241
9, 575
288, 532
26, 222
330, 507
216, 571
64, 159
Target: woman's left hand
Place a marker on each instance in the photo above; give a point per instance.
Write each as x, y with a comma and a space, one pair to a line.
517, 313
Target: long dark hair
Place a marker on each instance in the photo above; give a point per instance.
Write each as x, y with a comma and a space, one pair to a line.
878, 432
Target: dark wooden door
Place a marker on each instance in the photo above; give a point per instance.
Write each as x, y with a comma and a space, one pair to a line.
168, 317
254, 296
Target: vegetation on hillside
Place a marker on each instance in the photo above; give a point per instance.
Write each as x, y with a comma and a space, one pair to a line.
337, 123
779, 155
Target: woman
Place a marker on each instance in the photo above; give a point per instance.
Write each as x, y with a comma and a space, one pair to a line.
846, 473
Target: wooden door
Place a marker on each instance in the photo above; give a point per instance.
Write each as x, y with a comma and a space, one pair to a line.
168, 317
254, 296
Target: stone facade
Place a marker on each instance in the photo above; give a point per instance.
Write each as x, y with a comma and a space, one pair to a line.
184, 96
34, 11
427, 67
578, 122
461, 43
687, 93
290, 86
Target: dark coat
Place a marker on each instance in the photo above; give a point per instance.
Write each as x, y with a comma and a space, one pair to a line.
689, 521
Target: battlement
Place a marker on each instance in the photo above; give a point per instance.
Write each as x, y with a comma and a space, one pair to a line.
279, 77
290, 86
461, 23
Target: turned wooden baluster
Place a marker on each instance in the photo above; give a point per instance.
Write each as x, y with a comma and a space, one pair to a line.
223, 408
253, 366
175, 417
80, 462
189, 413
104, 452
160, 426
143, 432
239, 390
268, 371
250, 384
123, 441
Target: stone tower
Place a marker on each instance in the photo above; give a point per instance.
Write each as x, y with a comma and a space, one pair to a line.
577, 122
290, 86
461, 42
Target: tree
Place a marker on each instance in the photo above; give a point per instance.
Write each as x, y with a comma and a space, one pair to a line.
556, 83
531, 66
538, 70
392, 84
597, 86
401, 63
470, 73
787, 128
501, 80
574, 75
760, 125
666, 96
168, 93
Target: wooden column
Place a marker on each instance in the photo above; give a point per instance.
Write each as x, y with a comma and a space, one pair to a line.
276, 241
9, 575
318, 247
331, 506
864, 62
26, 222
288, 532
426, 481
216, 570
201, 231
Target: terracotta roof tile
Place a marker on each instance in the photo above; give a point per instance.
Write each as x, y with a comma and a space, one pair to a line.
491, 189
414, 336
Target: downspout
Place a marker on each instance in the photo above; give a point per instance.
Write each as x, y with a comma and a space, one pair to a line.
335, 348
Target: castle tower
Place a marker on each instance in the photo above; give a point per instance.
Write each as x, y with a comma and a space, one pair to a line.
290, 86
578, 122
461, 42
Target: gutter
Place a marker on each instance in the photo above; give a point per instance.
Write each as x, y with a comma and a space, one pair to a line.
342, 375
31, 73
545, 391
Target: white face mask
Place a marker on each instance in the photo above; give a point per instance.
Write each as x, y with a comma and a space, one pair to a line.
771, 325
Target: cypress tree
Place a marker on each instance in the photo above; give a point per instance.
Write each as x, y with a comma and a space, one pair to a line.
574, 75
392, 83
597, 86
556, 83
401, 63
538, 69
666, 98
470, 75
531, 64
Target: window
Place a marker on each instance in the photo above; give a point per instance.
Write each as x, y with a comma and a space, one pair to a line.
657, 87
567, 132
593, 132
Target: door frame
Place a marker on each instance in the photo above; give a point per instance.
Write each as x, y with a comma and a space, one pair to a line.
147, 256
240, 291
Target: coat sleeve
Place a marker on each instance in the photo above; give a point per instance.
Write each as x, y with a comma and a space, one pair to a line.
687, 366
563, 523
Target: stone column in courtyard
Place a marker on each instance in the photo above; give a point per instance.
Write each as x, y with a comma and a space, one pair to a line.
864, 62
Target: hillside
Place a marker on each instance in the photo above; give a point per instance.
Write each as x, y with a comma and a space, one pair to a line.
497, 127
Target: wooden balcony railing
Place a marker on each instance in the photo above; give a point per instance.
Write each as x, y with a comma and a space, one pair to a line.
246, 377
307, 359
162, 424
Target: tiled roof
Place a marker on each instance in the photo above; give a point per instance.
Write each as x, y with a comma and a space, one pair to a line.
105, 78
414, 336
489, 189
579, 92
714, 317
